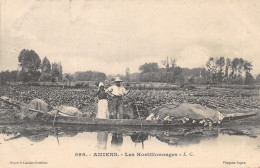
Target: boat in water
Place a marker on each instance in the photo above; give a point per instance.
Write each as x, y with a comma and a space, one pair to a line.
58, 118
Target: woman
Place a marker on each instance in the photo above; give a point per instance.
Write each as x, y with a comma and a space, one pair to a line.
102, 102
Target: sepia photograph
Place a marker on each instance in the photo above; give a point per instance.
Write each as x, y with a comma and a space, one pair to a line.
129, 83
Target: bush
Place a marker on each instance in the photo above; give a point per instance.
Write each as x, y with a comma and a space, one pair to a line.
45, 77
237, 80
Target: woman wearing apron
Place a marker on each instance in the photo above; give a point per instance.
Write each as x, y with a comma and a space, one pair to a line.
102, 102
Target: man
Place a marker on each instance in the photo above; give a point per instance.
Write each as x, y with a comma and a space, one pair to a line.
117, 92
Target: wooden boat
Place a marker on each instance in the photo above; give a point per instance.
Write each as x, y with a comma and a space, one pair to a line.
57, 119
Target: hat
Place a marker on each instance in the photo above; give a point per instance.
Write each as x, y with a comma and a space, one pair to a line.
100, 84
118, 80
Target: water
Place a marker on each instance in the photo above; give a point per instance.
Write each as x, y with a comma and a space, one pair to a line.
121, 147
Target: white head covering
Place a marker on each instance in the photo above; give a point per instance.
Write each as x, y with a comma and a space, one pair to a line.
117, 79
100, 84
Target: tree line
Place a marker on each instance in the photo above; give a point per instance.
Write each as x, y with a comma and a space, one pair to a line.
150, 72
89, 76
33, 69
225, 70
217, 70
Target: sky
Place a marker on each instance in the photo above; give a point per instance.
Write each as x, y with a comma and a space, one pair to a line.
110, 35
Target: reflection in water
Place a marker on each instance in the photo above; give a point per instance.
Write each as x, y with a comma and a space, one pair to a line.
66, 134
171, 136
102, 140
38, 138
139, 138
117, 140
34, 136
193, 136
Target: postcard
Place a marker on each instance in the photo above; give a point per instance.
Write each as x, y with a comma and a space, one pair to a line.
120, 83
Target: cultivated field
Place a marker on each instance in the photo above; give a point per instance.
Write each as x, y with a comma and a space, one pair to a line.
223, 99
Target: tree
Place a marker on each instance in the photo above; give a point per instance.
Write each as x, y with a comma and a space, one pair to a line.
56, 70
191, 80
60, 71
127, 74
228, 66
211, 67
234, 65
257, 78
68, 77
46, 77
241, 66
177, 70
173, 63
46, 65
166, 63
149, 67
30, 63
7, 76
46, 70
169, 65
89, 76
247, 66
220, 63
249, 80
22, 77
